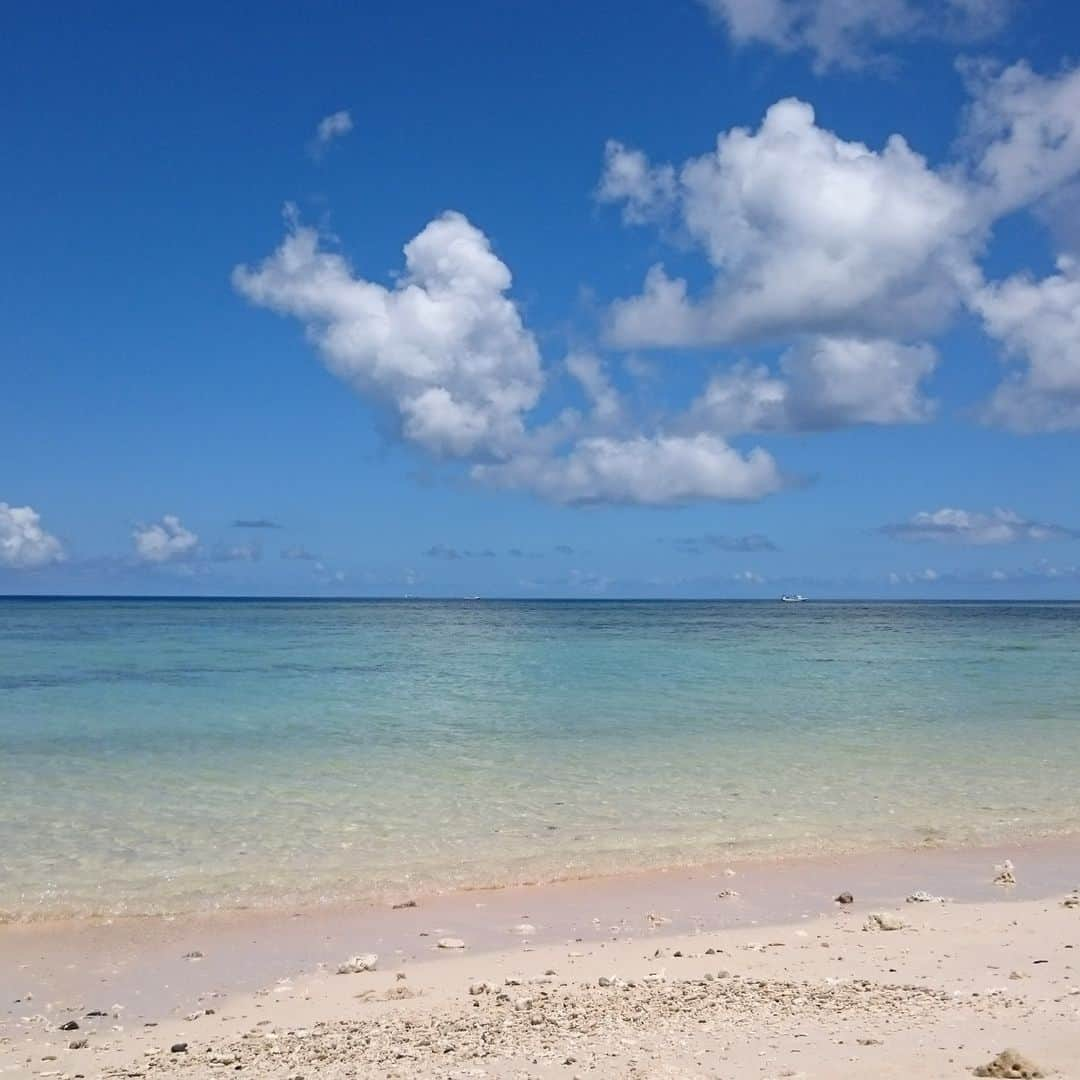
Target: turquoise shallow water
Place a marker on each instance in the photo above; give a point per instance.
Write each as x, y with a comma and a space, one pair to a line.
163, 756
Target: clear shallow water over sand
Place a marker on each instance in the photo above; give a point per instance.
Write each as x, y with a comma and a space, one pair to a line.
176, 756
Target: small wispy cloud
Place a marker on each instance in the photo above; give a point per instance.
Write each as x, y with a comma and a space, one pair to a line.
441, 551
748, 577
237, 553
255, 523
953, 526
576, 580
1041, 571
298, 551
449, 554
326, 576
335, 126
697, 545
914, 577
323, 574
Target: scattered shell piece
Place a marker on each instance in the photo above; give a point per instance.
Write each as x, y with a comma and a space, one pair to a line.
478, 988
1011, 1065
450, 943
356, 964
656, 919
920, 896
882, 920
524, 929
726, 894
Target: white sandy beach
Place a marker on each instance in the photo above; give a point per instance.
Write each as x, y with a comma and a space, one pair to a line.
540, 540
777, 980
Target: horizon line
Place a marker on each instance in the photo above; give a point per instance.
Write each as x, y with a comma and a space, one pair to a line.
360, 598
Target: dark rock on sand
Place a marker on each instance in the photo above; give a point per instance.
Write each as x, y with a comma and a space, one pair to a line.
178, 1048
69, 1026
1011, 1065
845, 898
1005, 874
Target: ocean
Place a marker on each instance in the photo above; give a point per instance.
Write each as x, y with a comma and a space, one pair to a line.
167, 756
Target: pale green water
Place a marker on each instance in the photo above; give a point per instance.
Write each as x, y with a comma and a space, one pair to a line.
171, 756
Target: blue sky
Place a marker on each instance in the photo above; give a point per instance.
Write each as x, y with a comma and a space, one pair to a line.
703, 298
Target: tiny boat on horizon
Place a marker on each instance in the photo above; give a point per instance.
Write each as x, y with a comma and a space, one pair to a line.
798, 598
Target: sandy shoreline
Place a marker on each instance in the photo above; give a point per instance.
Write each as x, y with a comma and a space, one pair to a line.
939, 991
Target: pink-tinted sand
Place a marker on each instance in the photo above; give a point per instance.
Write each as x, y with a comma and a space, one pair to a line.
140, 964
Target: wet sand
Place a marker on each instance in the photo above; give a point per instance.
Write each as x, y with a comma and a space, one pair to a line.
779, 994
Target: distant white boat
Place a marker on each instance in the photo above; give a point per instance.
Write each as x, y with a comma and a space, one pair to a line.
798, 598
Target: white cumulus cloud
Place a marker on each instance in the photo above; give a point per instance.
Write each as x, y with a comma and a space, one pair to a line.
444, 347
807, 233
1038, 322
851, 252
164, 541
589, 371
849, 33
950, 525
823, 383
1022, 131
24, 544
447, 350
645, 191
654, 471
